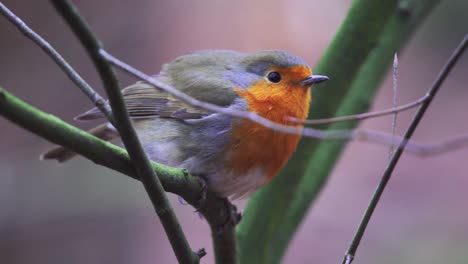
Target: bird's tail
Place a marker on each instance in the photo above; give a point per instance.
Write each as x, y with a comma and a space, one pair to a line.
104, 131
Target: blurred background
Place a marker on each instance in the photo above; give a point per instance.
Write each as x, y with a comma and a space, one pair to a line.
83, 213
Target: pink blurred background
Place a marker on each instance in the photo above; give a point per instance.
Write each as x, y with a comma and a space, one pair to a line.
82, 213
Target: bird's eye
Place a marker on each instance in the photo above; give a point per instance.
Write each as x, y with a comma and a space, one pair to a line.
274, 77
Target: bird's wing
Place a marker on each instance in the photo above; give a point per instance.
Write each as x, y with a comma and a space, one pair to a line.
146, 101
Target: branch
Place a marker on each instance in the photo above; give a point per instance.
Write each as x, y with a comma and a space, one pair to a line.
128, 135
97, 100
397, 154
395, 99
217, 211
367, 135
362, 116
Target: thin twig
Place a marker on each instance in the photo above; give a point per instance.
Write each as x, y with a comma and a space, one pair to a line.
360, 117
129, 137
414, 147
367, 135
446, 145
97, 100
395, 99
351, 252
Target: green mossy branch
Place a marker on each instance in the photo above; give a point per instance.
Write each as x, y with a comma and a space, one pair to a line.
101, 152
174, 180
356, 62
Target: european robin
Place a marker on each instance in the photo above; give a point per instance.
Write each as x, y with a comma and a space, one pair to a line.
234, 156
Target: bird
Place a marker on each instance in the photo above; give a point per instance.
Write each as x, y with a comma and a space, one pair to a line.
234, 156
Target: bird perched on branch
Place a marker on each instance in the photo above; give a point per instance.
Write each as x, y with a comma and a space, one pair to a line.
233, 155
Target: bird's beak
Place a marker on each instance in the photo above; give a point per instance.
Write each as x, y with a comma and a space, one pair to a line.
313, 79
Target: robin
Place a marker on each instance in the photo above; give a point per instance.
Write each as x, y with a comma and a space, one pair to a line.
233, 155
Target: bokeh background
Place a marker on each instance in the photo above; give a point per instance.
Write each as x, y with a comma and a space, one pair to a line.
82, 213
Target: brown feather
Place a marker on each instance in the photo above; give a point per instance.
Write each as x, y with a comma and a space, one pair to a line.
61, 154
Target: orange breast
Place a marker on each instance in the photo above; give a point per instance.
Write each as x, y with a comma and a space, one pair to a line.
255, 146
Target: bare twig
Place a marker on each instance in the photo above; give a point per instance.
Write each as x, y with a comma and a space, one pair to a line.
351, 252
129, 137
98, 101
414, 147
395, 99
446, 145
357, 134
362, 116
